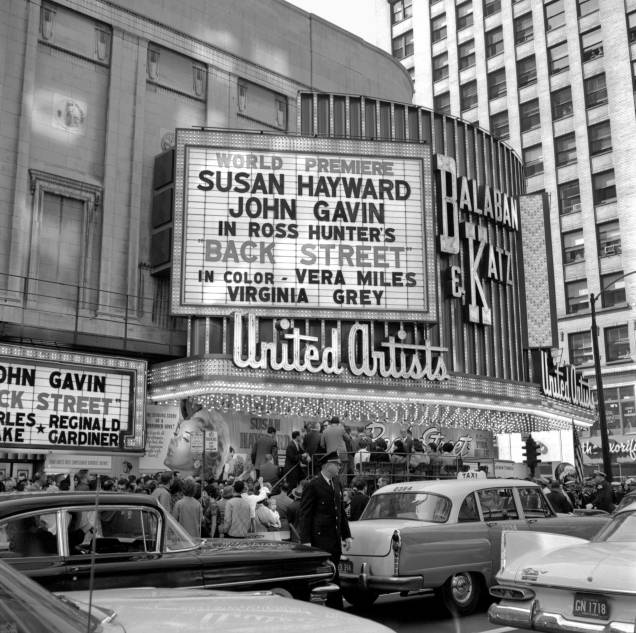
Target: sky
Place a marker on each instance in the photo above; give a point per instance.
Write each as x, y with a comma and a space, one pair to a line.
354, 15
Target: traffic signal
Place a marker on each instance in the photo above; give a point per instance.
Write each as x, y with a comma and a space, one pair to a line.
531, 454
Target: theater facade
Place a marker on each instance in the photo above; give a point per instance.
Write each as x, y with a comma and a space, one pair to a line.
382, 265
216, 221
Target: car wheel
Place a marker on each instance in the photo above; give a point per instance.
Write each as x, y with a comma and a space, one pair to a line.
359, 598
462, 592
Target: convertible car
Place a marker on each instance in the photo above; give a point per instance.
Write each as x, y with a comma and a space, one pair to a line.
26, 607
128, 540
552, 582
445, 536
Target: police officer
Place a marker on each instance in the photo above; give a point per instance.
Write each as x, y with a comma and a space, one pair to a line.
323, 522
602, 498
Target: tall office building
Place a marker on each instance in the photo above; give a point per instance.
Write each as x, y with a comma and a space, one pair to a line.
556, 80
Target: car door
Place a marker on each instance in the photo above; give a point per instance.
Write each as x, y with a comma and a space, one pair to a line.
124, 547
500, 511
31, 542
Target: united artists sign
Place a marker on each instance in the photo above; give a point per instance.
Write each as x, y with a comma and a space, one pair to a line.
564, 382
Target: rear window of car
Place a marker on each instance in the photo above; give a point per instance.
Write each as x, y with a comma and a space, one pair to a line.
621, 530
498, 504
415, 506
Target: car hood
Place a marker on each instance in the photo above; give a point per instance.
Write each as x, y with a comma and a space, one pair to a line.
560, 561
150, 610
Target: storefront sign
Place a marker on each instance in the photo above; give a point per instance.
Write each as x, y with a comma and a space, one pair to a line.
624, 448
564, 382
485, 259
60, 463
279, 229
88, 402
300, 352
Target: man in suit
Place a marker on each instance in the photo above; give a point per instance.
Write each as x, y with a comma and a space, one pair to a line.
323, 522
264, 445
311, 444
293, 461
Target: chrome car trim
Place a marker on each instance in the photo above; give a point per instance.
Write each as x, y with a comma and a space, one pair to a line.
518, 593
574, 588
364, 580
270, 581
531, 617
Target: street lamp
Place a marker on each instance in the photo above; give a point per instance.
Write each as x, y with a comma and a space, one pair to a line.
600, 397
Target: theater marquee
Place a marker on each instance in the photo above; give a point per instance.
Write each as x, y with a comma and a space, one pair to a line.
66, 400
312, 227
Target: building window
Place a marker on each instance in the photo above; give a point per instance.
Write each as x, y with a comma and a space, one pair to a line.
499, 125
591, 45
604, 187
464, 15
466, 54
497, 83
529, 115
533, 160
67, 231
270, 108
438, 28
631, 26
494, 42
616, 343
609, 239
491, 7
634, 76
585, 7
576, 296
440, 67
558, 58
526, 71
565, 149
595, 91
554, 15
562, 103
523, 28
580, 348
403, 45
619, 409
468, 95
441, 103
569, 197
401, 10
614, 295
600, 138
573, 247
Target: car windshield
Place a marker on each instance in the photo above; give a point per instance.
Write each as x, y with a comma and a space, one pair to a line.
26, 607
622, 529
418, 506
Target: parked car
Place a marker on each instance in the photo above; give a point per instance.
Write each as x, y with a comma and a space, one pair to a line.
129, 540
27, 607
445, 536
551, 582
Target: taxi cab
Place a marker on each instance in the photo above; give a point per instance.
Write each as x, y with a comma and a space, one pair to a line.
445, 536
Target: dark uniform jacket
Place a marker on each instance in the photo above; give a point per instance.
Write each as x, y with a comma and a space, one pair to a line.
323, 521
603, 498
292, 461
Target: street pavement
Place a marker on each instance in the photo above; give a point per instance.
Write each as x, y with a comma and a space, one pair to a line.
424, 614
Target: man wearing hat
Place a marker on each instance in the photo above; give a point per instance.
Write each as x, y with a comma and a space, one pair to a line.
602, 498
323, 522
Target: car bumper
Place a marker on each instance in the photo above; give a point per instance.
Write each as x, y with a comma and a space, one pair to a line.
382, 584
528, 615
